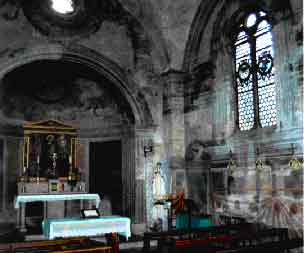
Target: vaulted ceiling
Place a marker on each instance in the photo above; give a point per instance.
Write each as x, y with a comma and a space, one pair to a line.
158, 27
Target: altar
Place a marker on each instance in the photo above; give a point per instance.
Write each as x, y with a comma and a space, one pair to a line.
75, 227
21, 200
50, 172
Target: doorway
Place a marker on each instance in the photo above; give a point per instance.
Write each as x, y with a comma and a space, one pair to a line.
105, 172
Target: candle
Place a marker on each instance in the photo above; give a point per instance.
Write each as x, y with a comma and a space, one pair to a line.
38, 159
70, 159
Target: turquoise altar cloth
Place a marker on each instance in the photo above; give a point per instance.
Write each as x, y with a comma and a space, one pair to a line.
196, 221
74, 227
56, 197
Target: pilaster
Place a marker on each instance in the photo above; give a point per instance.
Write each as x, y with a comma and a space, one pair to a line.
174, 122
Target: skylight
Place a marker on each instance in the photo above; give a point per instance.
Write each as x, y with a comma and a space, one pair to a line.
63, 6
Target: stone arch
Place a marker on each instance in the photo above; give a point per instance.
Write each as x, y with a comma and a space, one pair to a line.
132, 193
221, 24
90, 58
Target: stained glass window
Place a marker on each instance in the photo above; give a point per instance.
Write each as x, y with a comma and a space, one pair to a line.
255, 73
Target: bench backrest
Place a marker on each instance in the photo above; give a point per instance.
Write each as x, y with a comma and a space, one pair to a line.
46, 246
5, 248
103, 249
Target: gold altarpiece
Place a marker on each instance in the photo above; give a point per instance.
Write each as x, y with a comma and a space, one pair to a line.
49, 158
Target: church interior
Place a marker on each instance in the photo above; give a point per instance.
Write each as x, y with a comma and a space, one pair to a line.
151, 126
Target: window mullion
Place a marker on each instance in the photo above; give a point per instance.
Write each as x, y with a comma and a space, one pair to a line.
255, 84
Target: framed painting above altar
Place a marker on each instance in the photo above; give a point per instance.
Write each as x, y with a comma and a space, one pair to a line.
49, 149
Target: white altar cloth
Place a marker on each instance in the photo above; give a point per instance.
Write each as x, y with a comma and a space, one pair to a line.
56, 197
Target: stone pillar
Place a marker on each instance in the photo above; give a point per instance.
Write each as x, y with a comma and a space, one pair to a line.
275, 166
86, 162
142, 167
145, 163
174, 123
4, 176
1, 172
128, 174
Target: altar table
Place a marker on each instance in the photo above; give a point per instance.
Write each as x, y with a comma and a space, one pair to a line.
75, 227
56, 197
21, 200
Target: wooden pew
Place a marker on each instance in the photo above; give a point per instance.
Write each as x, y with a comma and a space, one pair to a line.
62, 245
267, 247
82, 244
162, 237
102, 249
46, 246
5, 248
252, 238
54, 246
275, 239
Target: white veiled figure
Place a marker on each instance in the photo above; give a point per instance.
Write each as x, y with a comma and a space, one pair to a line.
159, 211
105, 207
158, 183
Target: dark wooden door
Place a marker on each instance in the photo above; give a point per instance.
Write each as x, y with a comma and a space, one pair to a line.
105, 172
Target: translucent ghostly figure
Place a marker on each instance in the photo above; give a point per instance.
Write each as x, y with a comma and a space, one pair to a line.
105, 207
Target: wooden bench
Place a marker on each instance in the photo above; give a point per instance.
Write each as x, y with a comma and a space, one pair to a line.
45, 246
5, 248
252, 238
266, 247
274, 239
82, 244
163, 237
104, 249
270, 247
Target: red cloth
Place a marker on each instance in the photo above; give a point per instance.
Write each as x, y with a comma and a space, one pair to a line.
204, 240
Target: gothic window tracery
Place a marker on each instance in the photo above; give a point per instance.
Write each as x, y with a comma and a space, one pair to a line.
255, 82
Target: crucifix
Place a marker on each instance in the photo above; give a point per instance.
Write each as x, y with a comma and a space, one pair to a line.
54, 158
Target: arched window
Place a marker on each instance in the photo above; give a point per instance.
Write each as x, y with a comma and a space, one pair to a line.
255, 73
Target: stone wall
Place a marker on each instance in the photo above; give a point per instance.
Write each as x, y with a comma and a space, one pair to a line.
172, 63
211, 121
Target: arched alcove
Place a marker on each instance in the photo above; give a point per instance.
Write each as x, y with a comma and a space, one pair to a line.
99, 77
91, 60
64, 90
